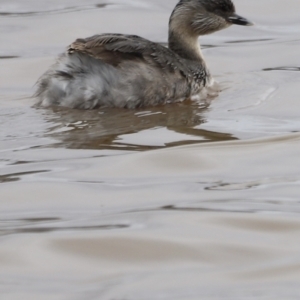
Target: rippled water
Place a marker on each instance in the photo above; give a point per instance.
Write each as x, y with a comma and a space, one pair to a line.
186, 201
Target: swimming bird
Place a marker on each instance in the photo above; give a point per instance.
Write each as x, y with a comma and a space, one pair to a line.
128, 71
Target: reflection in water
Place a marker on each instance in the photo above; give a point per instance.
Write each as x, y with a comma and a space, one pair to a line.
103, 129
205, 209
234, 186
45, 229
8, 57
53, 11
49, 224
248, 41
17, 176
283, 69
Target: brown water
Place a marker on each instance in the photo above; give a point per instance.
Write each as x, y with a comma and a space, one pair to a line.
188, 201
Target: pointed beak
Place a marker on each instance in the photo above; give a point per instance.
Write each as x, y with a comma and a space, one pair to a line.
238, 20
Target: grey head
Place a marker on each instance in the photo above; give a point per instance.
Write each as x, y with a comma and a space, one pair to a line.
192, 18
202, 17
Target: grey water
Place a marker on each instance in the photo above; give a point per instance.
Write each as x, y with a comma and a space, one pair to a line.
187, 201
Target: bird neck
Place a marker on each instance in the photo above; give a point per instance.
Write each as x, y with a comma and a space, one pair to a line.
185, 45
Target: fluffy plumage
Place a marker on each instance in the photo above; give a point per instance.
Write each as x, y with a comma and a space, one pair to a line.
129, 71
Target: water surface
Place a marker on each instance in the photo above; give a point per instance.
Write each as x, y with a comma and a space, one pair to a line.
187, 201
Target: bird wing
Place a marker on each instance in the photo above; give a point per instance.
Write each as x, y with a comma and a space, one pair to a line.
115, 48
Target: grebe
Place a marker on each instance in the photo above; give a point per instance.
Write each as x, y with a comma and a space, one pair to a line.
128, 71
